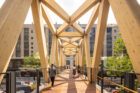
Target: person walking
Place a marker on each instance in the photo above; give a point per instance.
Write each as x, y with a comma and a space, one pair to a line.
52, 73
78, 70
74, 71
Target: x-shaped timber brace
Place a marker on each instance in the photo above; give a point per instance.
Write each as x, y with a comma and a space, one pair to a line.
126, 12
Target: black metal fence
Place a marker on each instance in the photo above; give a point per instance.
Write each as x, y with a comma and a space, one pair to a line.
24, 80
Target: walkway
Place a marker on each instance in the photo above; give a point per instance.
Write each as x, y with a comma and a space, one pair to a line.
66, 84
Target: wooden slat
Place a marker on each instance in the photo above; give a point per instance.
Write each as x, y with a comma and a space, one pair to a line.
92, 19
41, 41
70, 34
100, 31
51, 4
127, 15
48, 21
88, 4
10, 28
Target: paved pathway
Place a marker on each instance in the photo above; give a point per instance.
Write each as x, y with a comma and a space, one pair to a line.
64, 83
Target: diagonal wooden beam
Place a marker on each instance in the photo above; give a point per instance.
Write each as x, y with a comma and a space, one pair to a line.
62, 28
48, 21
75, 39
80, 43
88, 4
65, 44
100, 31
127, 15
51, 4
10, 28
70, 46
78, 28
92, 19
41, 41
59, 42
70, 34
65, 39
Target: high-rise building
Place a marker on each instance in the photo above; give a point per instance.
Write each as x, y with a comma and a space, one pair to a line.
27, 43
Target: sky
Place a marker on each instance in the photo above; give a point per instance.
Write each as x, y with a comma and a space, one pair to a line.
69, 6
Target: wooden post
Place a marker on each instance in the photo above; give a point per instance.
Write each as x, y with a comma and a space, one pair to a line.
127, 15
99, 37
53, 47
87, 54
41, 41
12, 16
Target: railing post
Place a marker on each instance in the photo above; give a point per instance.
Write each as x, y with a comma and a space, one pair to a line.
13, 82
129, 80
38, 80
91, 75
8, 83
102, 76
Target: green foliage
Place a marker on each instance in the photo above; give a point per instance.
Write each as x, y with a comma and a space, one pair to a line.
31, 62
120, 61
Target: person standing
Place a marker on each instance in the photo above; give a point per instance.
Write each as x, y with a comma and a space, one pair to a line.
52, 73
74, 71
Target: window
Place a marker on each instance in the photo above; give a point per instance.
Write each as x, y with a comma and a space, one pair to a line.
32, 31
32, 47
18, 47
32, 51
32, 43
32, 37
26, 41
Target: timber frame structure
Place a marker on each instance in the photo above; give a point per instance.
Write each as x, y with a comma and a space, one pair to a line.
13, 13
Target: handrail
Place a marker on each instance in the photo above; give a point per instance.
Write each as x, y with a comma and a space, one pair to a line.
127, 89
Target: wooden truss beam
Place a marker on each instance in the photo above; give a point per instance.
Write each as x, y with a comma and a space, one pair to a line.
127, 15
41, 41
10, 29
92, 19
70, 46
70, 34
88, 4
100, 31
48, 21
78, 28
65, 39
51, 4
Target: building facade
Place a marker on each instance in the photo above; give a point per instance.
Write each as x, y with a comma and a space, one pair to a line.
27, 43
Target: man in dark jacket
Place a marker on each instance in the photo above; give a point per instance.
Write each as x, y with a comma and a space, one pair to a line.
52, 73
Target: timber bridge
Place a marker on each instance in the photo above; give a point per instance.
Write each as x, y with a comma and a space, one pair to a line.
126, 12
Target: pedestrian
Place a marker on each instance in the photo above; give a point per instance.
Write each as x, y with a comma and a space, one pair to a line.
74, 71
52, 73
78, 70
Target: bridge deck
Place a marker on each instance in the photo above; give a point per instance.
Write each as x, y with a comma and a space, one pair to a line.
64, 83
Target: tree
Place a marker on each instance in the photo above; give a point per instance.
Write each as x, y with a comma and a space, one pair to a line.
120, 61
31, 61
